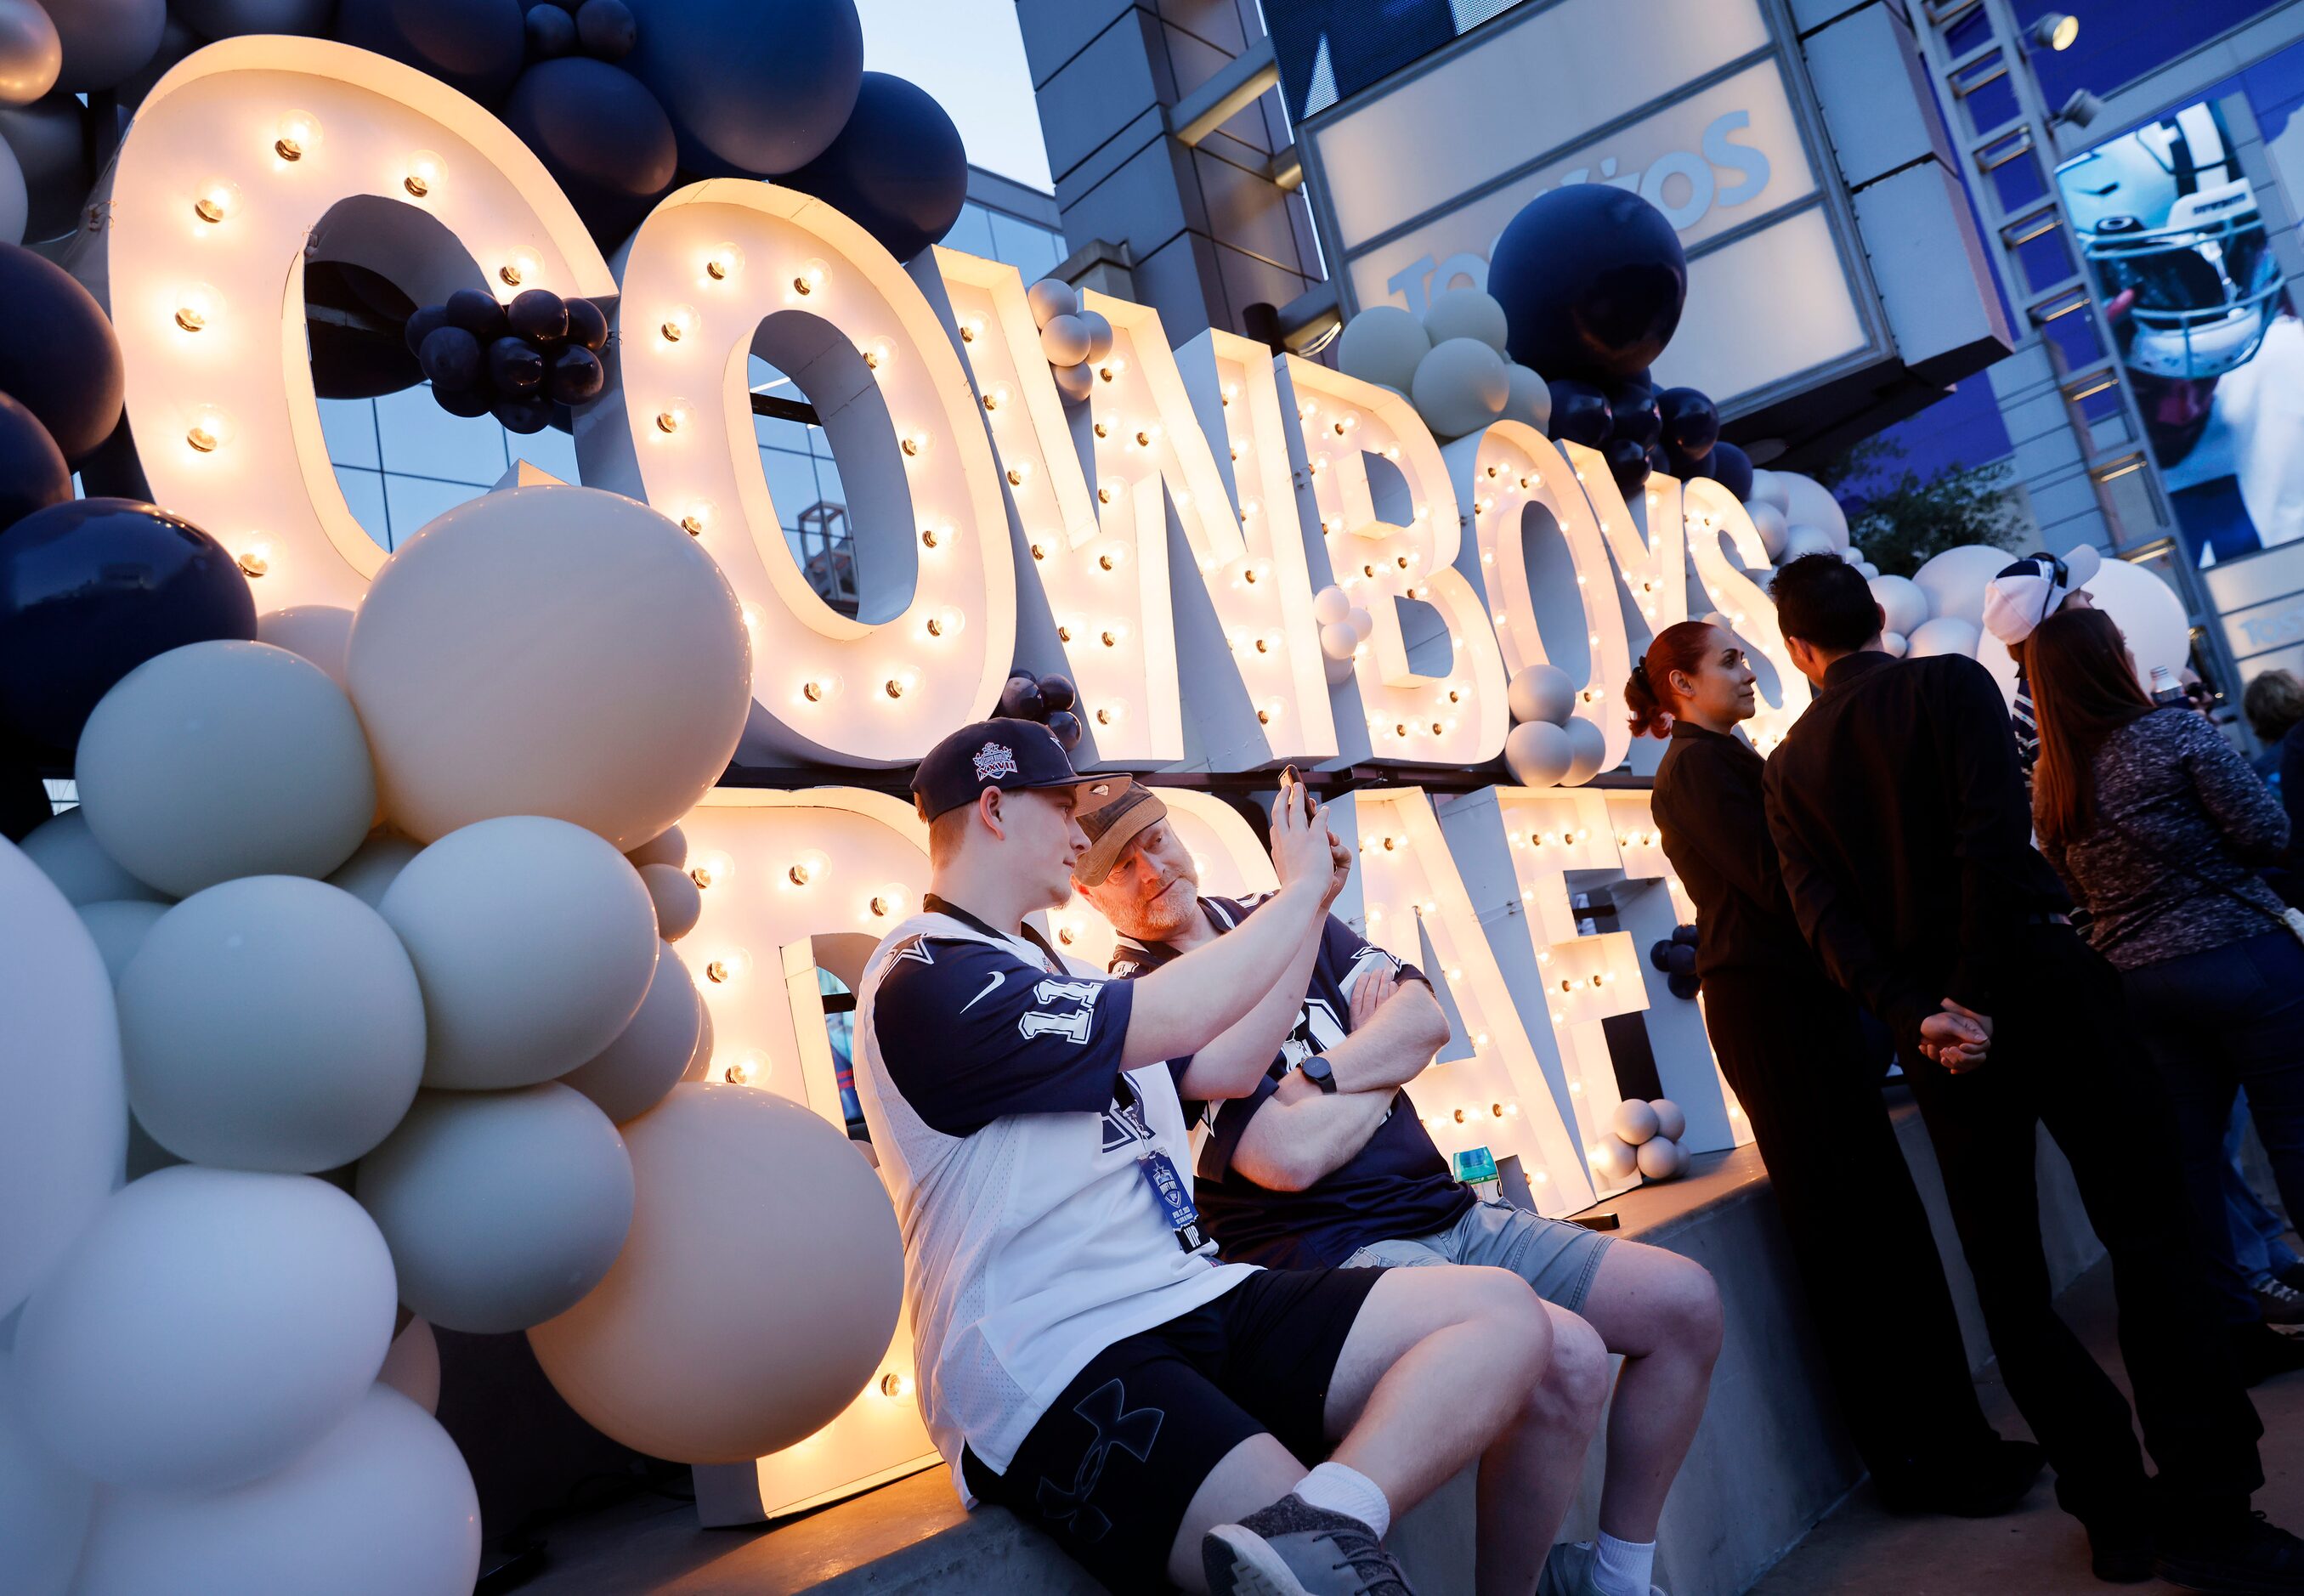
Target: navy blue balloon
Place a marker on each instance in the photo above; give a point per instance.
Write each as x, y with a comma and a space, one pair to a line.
606, 28
754, 88
59, 360
1634, 415
1592, 280
1021, 699
1692, 423
1627, 462
539, 315
1731, 467
575, 375
451, 358
91, 588
33, 474
898, 169
476, 46
523, 415
1067, 727
1660, 460
1683, 987
476, 310
551, 32
515, 367
1685, 933
588, 325
1683, 958
602, 135
469, 404
1660, 957
1057, 693
1580, 413
422, 323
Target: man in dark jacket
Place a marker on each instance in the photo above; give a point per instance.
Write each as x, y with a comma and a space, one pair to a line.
1898, 806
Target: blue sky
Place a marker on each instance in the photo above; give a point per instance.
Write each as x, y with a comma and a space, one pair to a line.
971, 56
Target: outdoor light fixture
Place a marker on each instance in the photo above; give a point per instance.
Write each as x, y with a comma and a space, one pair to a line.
2079, 110
2055, 31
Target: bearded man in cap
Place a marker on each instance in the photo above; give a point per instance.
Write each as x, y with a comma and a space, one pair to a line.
1324, 1163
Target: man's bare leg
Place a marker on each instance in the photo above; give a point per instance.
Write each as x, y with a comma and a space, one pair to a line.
1661, 1311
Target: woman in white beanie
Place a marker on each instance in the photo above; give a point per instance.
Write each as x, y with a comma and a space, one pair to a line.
2018, 601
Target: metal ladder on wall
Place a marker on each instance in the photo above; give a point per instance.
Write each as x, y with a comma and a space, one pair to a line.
2006, 135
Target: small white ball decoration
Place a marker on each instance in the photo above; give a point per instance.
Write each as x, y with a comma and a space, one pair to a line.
1361, 622
1540, 693
1801, 541
1661, 1157
1075, 383
1331, 605
502, 1209
1896, 643
69, 856
1768, 487
271, 1022
1946, 634
210, 1326
319, 633
1460, 387
1635, 1121
1050, 298
1383, 344
1903, 607
1867, 570
1809, 502
1538, 753
679, 906
631, 1075
1064, 339
1615, 1161
375, 865
1467, 313
669, 846
534, 942
1768, 521
1528, 397
1672, 1119
1591, 747
1339, 642
1099, 334
220, 760
118, 930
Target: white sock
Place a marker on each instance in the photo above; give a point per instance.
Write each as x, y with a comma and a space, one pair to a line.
1348, 1491
1623, 1567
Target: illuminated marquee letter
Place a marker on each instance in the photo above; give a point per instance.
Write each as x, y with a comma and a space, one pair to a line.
1715, 515
726, 270
248, 158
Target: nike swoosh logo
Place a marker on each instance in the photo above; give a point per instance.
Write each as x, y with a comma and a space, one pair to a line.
998, 977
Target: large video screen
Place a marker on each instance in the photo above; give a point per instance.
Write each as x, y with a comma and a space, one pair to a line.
2175, 241
1329, 50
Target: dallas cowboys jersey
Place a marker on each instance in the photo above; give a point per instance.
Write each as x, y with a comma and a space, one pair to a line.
1397, 1185
1011, 1139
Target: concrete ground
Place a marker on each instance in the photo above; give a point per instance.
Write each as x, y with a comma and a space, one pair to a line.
1861, 1549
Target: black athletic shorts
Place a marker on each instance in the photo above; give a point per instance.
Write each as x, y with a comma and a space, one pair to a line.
1112, 1465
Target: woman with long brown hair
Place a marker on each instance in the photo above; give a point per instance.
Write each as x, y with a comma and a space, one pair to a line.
2157, 825
1791, 1044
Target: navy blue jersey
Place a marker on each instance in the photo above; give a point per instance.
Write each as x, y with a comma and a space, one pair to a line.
1396, 1186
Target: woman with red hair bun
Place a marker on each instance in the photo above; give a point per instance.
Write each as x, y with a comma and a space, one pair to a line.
1792, 1043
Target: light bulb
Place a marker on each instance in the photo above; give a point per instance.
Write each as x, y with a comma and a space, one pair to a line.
897, 685
210, 431
820, 687
810, 278
218, 201
710, 869
915, 444
296, 136
1020, 474
744, 1069
937, 537
972, 329
672, 417
1110, 714
891, 901
722, 261
697, 521
196, 305
895, 1387
808, 866
518, 267
1114, 558
733, 964
678, 322
946, 623
880, 354
256, 559
424, 171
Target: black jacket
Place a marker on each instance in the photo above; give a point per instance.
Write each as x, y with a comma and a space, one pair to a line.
1898, 807
1710, 808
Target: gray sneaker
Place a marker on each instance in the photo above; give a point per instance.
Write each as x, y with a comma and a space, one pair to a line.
1568, 1571
1294, 1548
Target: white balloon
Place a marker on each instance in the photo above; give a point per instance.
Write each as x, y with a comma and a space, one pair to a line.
1809, 502
1466, 313
1339, 642
1661, 1157
533, 940
220, 760
1954, 581
1672, 1119
633, 1073
1540, 693
1460, 387
319, 633
1769, 522
1903, 605
375, 865
211, 1325
618, 710
1099, 334
1050, 298
1768, 488
412, 1366
721, 1334
1867, 570
1331, 605
382, 1506
1383, 344
699, 1061
1635, 1121
501, 1208
30, 52
44, 1504
1802, 541
1896, 643
105, 40
271, 1022
1538, 753
63, 1109
118, 929
1362, 623
669, 846
678, 903
1063, 340
1615, 1161
69, 855
1075, 383
1337, 671
1528, 397
1946, 634
1588, 746
2147, 612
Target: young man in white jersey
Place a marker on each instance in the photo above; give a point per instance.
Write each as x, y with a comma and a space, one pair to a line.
1326, 1164
1084, 1359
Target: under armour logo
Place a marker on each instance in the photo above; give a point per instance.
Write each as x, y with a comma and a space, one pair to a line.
1107, 1413
993, 760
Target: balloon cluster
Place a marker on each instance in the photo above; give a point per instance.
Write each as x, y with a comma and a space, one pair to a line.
1552, 745
1074, 339
1639, 430
1674, 958
1050, 699
1345, 628
367, 1082
1452, 364
1644, 1139
61, 382
525, 363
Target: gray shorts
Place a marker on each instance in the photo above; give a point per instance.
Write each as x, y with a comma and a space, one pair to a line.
1555, 1257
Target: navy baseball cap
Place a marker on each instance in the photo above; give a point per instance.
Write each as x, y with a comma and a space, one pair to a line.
1016, 756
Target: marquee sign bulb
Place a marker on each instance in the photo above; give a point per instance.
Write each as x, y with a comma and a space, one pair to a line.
810, 278
519, 268
672, 417
218, 201
723, 262
297, 136
196, 306
678, 322
424, 171
210, 431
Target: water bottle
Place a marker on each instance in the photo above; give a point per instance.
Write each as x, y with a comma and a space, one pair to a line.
2166, 691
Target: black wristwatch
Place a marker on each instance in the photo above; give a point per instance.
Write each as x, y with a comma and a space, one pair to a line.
1316, 1070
